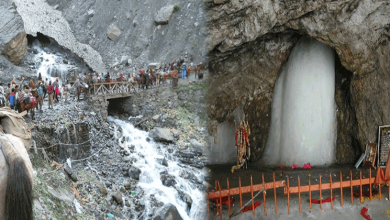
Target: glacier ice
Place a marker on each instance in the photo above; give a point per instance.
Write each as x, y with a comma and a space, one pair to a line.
303, 120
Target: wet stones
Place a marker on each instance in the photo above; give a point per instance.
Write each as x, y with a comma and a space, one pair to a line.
134, 172
185, 197
164, 162
168, 211
167, 180
186, 153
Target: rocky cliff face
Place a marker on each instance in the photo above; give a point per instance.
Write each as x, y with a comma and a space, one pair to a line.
13, 41
250, 40
128, 33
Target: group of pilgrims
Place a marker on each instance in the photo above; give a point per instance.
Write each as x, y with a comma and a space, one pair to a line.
27, 91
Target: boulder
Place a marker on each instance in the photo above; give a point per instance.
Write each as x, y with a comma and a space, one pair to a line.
161, 134
134, 172
185, 197
168, 212
168, 180
197, 147
164, 15
156, 118
113, 32
220, 1
127, 185
118, 198
103, 191
164, 162
186, 153
13, 40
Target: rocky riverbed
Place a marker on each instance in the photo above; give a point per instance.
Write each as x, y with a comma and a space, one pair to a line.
102, 169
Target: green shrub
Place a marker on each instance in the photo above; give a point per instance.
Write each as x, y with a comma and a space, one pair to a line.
177, 7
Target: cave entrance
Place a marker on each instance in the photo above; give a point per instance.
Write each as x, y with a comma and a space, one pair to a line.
43, 39
312, 119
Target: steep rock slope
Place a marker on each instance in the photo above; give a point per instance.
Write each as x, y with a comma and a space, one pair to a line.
138, 39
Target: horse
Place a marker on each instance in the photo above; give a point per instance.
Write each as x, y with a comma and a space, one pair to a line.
38, 99
190, 70
144, 82
16, 179
22, 106
199, 70
152, 79
80, 89
137, 81
171, 75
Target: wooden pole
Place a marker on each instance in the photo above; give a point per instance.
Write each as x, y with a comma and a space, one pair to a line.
310, 191
276, 204
361, 188
253, 202
288, 193
264, 194
351, 189
208, 203
220, 200
230, 211
239, 186
341, 188
331, 191
299, 194
370, 186
320, 192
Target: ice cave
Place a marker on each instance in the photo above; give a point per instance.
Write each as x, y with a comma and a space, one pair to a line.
303, 120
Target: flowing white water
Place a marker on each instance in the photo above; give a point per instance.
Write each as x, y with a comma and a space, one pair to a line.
50, 65
303, 121
147, 155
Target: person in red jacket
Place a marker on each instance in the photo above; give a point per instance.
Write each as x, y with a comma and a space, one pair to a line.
50, 90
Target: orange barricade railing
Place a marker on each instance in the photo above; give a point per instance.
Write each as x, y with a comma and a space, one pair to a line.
219, 193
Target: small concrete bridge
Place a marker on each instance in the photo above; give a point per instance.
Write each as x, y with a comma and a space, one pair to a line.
103, 92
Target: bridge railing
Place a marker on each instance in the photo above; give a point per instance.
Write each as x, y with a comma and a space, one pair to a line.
112, 88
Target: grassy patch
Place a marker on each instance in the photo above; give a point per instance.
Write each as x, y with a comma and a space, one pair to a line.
176, 7
87, 176
51, 178
196, 86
